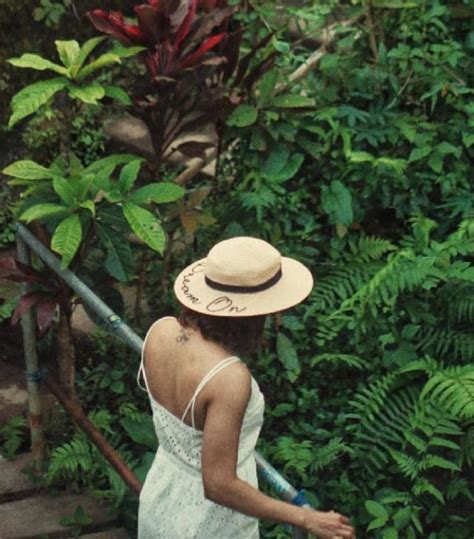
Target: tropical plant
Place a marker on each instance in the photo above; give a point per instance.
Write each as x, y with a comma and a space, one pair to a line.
80, 205
73, 73
194, 77
44, 294
87, 201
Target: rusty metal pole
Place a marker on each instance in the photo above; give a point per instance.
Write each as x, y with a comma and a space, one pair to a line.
95, 435
33, 375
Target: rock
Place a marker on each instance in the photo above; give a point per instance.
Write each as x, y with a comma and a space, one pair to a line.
134, 133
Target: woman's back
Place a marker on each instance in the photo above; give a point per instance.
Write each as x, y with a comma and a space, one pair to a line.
176, 360
172, 502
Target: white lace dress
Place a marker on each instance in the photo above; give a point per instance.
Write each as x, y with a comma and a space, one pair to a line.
172, 502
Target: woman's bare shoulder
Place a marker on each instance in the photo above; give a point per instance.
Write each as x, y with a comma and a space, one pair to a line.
232, 384
163, 326
160, 332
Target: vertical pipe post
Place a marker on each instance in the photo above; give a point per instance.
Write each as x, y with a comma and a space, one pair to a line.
32, 374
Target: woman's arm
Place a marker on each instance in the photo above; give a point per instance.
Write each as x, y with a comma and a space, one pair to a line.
227, 399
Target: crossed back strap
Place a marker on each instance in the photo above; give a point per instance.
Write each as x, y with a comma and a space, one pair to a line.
216, 369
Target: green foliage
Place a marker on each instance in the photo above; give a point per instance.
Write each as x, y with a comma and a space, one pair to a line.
73, 71
362, 169
77, 521
7, 225
88, 201
51, 12
12, 436
380, 208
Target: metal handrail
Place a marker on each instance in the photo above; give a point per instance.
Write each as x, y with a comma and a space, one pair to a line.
26, 240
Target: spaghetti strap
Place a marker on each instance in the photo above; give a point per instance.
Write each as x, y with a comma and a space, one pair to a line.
216, 369
141, 370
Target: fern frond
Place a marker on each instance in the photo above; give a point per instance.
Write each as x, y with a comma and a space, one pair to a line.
129, 410
12, 435
461, 306
368, 248
380, 420
423, 486
457, 486
338, 285
467, 445
408, 465
345, 359
445, 343
461, 242
403, 272
69, 458
453, 388
325, 455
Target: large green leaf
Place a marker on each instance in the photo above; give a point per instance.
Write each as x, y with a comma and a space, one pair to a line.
128, 175
113, 216
31, 98
243, 116
126, 52
376, 509
267, 87
40, 211
90, 94
67, 238
279, 166
27, 170
114, 92
86, 49
34, 61
276, 160
82, 186
119, 261
88, 205
290, 169
160, 193
142, 432
102, 61
145, 464
287, 353
145, 225
68, 51
101, 180
337, 202
110, 161
64, 190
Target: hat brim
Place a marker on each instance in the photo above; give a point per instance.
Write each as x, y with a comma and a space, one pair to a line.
292, 288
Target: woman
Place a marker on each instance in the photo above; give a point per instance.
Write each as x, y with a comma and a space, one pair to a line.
207, 407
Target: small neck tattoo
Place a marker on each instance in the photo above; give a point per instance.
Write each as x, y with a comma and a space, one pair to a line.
183, 336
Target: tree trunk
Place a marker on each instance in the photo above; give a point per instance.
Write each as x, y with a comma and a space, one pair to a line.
65, 352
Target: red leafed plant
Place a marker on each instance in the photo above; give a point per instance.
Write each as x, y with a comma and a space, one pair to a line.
195, 76
45, 297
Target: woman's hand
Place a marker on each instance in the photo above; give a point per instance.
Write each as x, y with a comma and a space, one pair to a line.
328, 525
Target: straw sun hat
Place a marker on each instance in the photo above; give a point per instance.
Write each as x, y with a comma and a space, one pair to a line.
243, 276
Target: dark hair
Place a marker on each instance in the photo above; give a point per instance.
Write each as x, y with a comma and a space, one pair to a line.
241, 335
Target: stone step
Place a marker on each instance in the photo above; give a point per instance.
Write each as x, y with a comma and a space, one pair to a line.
15, 485
38, 516
116, 533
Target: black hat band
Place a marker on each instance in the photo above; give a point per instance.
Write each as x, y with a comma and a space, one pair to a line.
245, 289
